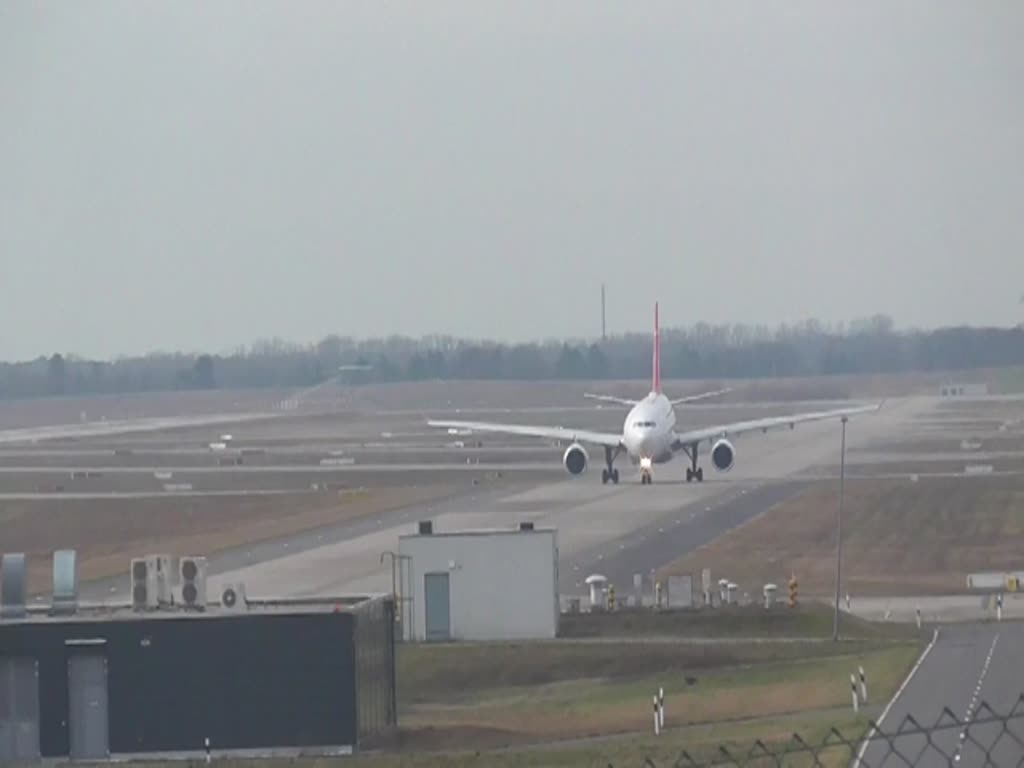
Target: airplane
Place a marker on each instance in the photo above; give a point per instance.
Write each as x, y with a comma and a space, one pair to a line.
649, 433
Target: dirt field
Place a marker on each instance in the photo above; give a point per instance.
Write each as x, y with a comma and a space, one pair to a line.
899, 537
107, 533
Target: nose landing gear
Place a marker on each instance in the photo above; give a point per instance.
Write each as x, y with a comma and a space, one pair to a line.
646, 476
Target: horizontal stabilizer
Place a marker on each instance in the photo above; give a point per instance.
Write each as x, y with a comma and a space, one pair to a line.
611, 399
701, 396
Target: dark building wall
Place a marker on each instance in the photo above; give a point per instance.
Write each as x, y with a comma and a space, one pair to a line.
375, 669
246, 682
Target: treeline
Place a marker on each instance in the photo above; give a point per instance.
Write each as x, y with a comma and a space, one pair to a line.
699, 352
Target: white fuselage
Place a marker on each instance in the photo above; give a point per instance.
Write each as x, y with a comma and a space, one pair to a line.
649, 430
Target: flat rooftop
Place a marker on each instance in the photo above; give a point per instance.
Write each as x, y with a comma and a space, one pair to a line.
123, 611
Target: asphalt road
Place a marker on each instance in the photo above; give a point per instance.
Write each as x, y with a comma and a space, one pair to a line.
971, 672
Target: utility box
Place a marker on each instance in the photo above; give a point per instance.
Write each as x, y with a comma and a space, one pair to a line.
482, 585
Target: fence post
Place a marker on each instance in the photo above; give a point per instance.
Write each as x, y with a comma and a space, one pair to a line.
863, 687
853, 691
661, 707
657, 724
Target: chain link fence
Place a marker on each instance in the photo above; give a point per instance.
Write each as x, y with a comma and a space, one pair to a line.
988, 737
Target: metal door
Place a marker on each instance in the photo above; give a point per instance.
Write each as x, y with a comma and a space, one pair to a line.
437, 606
87, 707
19, 710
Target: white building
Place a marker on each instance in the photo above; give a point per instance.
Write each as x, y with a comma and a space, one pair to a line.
481, 585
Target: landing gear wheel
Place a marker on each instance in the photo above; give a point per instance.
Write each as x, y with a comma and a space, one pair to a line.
689, 475
645, 479
700, 474
610, 472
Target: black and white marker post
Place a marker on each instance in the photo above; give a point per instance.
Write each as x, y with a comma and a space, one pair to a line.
853, 693
999, 607
657, 722
863, 687
661, 708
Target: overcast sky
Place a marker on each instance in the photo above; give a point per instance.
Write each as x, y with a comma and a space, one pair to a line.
198, 175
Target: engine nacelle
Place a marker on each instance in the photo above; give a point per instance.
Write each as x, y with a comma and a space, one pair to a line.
723, 455
575, 459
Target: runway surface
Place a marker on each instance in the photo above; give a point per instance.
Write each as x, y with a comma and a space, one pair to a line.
937, 608
624, 527
123, 427
968, 668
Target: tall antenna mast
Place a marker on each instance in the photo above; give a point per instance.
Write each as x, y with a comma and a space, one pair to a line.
604, 336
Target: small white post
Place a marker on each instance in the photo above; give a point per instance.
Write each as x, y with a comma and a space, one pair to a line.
661, 708
657, 723
207, 745
999, 607
863, 687
847, 602
853, 691
918, 613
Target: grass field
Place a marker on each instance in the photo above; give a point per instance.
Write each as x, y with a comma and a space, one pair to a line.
899, 537
701, 742
494, 696
108, 532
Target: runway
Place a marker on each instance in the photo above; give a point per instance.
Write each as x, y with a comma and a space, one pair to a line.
621, 527
937, 608
968, 668
123, 427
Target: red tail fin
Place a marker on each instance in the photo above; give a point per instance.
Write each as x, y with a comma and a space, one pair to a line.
656, 374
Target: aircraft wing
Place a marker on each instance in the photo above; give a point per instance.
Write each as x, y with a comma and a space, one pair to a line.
549, 433
700, 396
763, 425
611, 399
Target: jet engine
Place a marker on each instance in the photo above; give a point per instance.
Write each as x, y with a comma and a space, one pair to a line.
723, 455
575, 459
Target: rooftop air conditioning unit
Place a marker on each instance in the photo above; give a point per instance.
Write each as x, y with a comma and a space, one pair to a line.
65, 581
143, 583
192, 574
166, 574
232, 598
13, 585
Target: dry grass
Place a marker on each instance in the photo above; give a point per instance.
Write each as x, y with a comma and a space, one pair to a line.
595, 705
107, 532
701, 743
899, 537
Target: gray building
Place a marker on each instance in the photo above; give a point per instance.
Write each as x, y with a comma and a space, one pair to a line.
480, 585
252, 677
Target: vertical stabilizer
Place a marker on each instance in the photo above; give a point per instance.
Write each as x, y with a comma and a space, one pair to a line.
656, 364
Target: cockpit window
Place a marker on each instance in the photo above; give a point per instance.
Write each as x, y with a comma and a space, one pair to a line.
643, 424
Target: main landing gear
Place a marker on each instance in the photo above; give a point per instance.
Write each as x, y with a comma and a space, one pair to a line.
693, 472
610, 473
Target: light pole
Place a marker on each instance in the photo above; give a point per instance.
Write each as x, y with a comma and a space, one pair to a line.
839, 529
